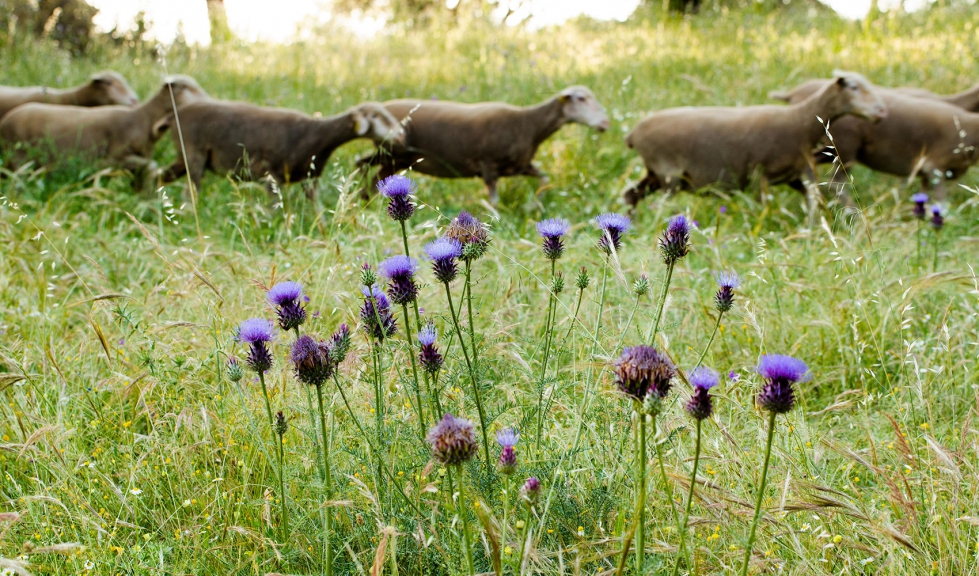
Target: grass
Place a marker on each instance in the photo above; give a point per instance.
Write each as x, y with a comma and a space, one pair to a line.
126, 450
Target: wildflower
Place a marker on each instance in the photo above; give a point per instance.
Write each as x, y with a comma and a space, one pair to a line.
367, 275
281, 426
937, 221
643, 371
429, 357
724, 299
780, 373
919, 200
400, 271
376, 314
444, 252
613, 226
530, 492
733, 376
582, 280
507, 438
286, 297
557, 283
311, 361
675, 243
471, 234
235, 373
552, 231
257, 333
641, 286
453, 440
702, 379
398, 190
339, 345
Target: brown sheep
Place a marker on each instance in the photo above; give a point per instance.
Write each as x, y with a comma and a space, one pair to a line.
113, 135
102, 89
967, 99
253, 141
488, 140
696, 147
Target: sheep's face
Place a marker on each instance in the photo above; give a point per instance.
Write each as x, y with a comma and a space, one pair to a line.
185, 90
371, 120
581, 106
858, 97
108, 88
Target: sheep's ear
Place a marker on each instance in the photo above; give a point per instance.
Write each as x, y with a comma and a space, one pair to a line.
361, 125
842, 81
161, 126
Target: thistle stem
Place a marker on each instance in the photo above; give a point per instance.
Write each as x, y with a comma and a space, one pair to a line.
709, 342
654, 327
934, 263
461, 511
761, 494
574, 317
641, 494
378, 403
669, 488
472, 376
422, 425
693, 484
283, 514
472, 320
543, 370
918, 242
523, 541
418, 323
328, 484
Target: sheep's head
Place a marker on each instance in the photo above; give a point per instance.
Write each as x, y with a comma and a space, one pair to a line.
857, 96
108, 88
581, 106
184, 89
372, 120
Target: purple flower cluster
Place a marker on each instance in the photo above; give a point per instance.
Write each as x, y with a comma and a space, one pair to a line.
376, 314
700, 405
530, 491
400, 272
311, 361
552, 231
643, 371
613, 227
727, 282
444, 253
287, 298
919, 200
675, 243
507, 438
780, 373
398, 190
257, 333
453, 440
429, 357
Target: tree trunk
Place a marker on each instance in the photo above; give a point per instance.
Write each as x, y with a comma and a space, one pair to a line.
218, 18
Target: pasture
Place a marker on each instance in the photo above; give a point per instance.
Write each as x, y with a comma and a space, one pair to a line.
126, 448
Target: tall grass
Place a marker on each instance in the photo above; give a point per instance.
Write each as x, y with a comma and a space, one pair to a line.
123, 438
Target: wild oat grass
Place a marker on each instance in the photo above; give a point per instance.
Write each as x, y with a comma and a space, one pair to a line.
126, 449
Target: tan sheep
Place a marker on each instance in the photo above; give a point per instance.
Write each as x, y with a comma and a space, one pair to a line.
118, 136
102, 89
967, 99
253, 141
696, 147
488, 140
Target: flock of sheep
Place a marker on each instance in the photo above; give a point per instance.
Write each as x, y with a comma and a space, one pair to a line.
908, 132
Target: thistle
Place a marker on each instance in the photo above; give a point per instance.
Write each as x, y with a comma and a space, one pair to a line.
507, 438
937, 221
429, 357
613, 226
471, 234
780, 373
727, 282
398, 190
286, 298
376, 315
552, 232
919, 199
530, 491
453, 442
339, 345
674, 245
444, 253
281, 426
235, 373
530, 495
581, 281
400, 272
641, 286
257, 333
368, 277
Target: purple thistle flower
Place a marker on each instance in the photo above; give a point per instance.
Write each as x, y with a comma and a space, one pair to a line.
339, 344
444, 252
286, 297
429, 357
311, 361
507, 438
733, 376
530, 491
780, 373
613, 226
724, 299
400, 271
643, 371
919, 200
471, 233
453, 440
257, 333
937, 221
376, 314
700, 405
398, 190
675, 242
552, 231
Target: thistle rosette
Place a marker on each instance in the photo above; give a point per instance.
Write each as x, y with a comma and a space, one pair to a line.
257, 333
700, 405
552, 232
727, 282
376, 314
613, 227
400, 273
311, 361
399, 191
471, 233
286, 298
444, 253
675, 242
453, 440
780, 373
643, 372
429, 356
507, 438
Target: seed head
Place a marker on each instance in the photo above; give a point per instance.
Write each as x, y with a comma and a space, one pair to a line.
453, 440
311, 361
643, 371
471, 233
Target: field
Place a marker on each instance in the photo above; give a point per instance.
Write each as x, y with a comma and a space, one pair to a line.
126, 448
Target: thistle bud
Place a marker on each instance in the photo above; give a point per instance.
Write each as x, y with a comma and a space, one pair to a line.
557, 283
641, 287
582, 280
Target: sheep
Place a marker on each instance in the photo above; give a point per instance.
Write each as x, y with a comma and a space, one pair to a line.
924, 137
102, 89
253, 141
967, 99
488, 140
696, 147
113, 135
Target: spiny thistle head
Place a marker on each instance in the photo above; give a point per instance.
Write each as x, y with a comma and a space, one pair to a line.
376, 314
257, 333
311, 361
398, 190
287, 299
339, 344
675, 242
453, 440
400, 272
726, 282
471, 233
919, 200
367, 275
552, 232
700, 405
641, 286
429, 357
507, 439
281, 426
582, 280
780, 374
937, 221
235, 373
613, 226
444, 253
530, 491
557, 283
643, 371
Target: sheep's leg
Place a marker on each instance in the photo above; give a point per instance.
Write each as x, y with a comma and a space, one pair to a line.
173, 172
490, 177
633, 194
144, 170
534, 172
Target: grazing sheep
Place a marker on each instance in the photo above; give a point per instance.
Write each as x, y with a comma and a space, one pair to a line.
924, 137
102, 89
967, 99
114, 135
696, 147
488, 140
253, 141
